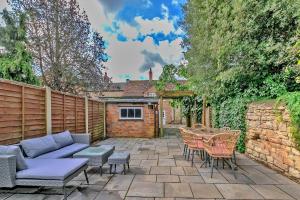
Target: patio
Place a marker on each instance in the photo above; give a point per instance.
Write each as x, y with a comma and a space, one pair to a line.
158, 171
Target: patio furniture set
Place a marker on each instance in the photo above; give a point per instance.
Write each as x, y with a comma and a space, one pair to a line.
211, 144
54, 160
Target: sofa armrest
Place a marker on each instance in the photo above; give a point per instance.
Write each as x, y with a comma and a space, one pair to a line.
7, 171
83, 138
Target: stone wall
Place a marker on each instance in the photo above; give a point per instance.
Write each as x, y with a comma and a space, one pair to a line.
269, 139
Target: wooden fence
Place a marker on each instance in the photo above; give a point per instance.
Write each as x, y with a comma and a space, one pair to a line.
28, 111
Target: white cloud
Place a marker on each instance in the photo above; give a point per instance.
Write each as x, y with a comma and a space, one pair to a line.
155, 25
175, 2
127, 57
165, 11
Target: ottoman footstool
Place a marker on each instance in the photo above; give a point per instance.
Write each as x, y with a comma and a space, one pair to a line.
119, 158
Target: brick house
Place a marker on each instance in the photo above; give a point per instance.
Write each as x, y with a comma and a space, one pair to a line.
132, 109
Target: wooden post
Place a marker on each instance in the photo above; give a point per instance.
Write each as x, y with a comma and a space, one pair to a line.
195, 114
64, 118
161, 117
104, 119
23, 114
48, 111
204, 112
76, 114
86, 109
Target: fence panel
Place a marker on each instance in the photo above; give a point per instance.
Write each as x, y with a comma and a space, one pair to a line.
23, 113
34, 112
96, 119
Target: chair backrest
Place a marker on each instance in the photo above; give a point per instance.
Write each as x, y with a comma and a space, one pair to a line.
226, 140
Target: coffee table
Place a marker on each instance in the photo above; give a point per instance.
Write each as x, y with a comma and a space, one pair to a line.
97, 155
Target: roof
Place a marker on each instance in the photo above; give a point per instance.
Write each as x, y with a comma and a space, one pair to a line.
116, 86
137, 88
130, 100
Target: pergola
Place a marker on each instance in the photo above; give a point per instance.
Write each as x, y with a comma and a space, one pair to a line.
166, 94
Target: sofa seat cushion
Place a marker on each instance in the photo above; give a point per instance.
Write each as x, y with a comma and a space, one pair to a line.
16, 151
63, 139
38, 146
51, 169
64, 152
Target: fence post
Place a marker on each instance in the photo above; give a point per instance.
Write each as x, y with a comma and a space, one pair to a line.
48, 111
104, 119
86, 104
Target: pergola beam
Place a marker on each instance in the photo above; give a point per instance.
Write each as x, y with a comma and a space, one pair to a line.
175, 94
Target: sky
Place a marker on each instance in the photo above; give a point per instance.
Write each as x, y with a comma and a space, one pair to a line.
139, 34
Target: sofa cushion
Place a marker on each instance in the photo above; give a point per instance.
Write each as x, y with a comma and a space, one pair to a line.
63, 139
16, 151
51, 169
64, 152
37, 146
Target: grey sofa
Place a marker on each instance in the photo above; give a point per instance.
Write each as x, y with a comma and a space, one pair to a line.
43, 161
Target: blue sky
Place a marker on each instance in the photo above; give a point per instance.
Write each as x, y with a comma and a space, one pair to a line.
139, 34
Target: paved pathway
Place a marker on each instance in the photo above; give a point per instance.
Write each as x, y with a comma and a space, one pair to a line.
159, 172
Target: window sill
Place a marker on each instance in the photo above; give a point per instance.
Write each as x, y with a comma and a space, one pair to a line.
131, 119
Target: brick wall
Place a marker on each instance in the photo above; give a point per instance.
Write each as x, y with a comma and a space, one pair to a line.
129, 128
269, 139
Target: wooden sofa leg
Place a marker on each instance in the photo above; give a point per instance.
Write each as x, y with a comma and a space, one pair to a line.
86, 177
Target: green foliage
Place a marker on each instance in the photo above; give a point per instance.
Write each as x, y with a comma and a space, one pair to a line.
16, 63
170, 75
240, 51
17, 66
167, 76
231, 113
292, 101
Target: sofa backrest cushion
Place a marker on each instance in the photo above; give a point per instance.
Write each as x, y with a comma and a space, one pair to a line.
16, 151
38, 146
63, 139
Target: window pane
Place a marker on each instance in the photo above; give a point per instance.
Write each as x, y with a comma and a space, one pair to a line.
124, 113
138, 113
130, 113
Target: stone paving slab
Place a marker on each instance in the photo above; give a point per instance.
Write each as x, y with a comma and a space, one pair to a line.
159, 172
271, 192
146, 189
145, 178
191, 179
216, 178
177, 171
166, 162
119, 182
292, 190
238, 191
205, 191
168, 178
178, 190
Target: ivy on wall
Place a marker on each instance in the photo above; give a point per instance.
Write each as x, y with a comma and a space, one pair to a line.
292, 101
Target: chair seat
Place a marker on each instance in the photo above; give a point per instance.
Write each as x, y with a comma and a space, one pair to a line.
51, 169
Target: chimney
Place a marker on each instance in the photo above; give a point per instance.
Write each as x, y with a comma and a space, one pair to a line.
150, 75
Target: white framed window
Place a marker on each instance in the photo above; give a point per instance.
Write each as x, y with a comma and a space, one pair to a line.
152, 94
131, 113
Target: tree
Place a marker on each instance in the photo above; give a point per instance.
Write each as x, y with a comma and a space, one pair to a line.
240, 51
16, 63
240, 47
66, 52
